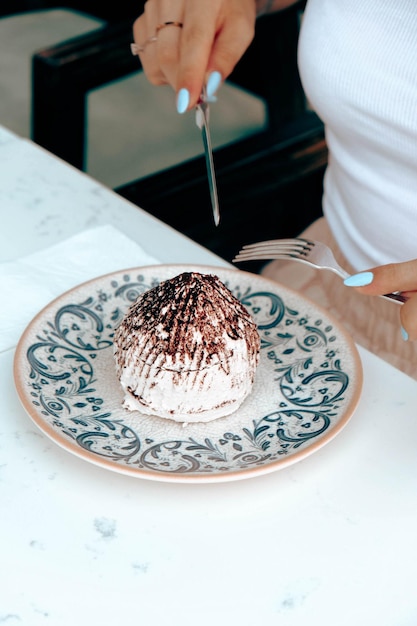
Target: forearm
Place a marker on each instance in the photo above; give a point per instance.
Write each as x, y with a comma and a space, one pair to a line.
269, 6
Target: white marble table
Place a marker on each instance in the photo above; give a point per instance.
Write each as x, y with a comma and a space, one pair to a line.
328, 541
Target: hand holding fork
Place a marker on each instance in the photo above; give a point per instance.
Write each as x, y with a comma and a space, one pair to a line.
316, 254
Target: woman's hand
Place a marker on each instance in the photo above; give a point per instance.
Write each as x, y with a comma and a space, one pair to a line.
400, 277
188, 43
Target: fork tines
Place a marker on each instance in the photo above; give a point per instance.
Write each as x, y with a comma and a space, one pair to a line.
289, 247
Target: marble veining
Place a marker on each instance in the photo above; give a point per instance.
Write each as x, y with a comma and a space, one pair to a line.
279, 548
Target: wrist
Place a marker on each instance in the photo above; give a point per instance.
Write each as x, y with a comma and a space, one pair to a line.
263, 7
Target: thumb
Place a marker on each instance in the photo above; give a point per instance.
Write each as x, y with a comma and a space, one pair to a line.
408, 316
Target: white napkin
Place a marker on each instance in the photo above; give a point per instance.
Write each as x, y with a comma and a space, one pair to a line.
31, 282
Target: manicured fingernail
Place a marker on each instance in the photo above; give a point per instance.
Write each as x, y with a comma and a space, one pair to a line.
183, 100
213, 83
359, 280
404, 334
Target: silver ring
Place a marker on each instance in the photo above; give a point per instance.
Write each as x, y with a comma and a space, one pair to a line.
136, 48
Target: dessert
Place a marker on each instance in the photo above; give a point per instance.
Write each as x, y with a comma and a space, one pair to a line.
187, 350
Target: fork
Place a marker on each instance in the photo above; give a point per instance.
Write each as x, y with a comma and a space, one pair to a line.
313, 253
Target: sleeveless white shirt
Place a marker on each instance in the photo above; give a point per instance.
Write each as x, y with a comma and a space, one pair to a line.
358, 66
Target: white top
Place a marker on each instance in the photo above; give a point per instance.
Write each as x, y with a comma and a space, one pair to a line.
358, 65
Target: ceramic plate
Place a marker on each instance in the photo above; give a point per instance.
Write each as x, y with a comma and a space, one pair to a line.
307, 385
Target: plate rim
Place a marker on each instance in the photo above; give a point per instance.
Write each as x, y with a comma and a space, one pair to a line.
158, 476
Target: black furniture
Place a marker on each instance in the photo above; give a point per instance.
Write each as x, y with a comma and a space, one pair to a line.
269, 184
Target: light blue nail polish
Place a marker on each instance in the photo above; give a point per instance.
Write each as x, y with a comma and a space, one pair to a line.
213, 83
404, 334
183, 100
359, 280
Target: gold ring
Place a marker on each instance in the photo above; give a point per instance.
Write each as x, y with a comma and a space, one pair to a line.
136, 48
165, 24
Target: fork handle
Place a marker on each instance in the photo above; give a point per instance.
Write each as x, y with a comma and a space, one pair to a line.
397, 297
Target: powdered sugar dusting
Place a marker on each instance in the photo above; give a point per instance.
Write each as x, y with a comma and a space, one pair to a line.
187, 349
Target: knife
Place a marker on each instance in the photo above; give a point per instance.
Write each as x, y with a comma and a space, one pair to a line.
202, 120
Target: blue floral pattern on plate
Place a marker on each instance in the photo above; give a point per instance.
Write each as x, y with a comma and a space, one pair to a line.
307, 386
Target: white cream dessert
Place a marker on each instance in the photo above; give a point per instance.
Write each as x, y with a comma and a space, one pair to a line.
187, 350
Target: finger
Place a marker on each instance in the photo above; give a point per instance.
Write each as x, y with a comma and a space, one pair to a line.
169, 34
197, 40
386, 278
144, 32
408, 315
231, 43
409, 294
213, 40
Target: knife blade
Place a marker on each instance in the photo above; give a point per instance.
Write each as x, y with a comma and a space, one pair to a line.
202, 120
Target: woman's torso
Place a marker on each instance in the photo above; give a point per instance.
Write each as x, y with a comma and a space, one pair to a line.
358, 65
